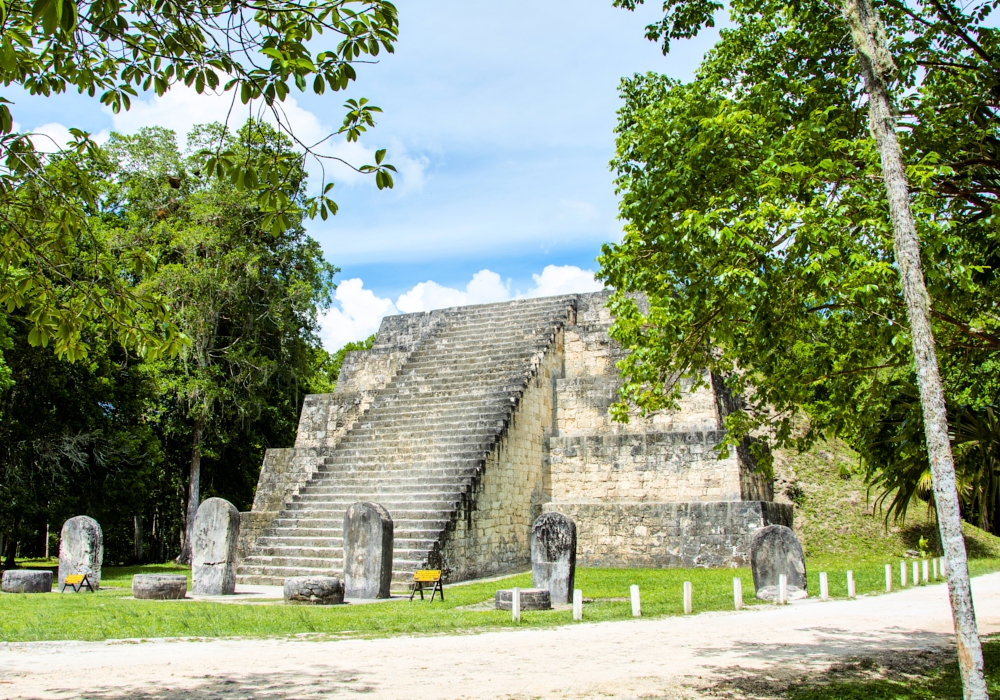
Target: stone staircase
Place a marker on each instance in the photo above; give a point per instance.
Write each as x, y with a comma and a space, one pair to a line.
421, 443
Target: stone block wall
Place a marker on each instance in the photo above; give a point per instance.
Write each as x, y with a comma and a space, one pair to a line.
654, 466
490, 532
660, 535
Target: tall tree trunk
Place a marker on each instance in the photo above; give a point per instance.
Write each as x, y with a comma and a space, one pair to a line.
10, 553
194, 491
137, 523
877, 67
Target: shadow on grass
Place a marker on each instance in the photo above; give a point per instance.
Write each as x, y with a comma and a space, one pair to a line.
877, 674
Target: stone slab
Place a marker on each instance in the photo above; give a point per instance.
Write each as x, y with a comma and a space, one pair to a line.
214, 548
553, 555
368, 540
531, 599
159, 586
775, 550
26, 581
81, 549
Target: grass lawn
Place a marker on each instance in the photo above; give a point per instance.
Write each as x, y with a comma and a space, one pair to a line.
112, 614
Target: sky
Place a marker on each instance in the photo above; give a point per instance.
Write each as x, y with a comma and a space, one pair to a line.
500, 117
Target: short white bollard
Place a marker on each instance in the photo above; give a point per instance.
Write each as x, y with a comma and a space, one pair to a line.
824, 586
688, 598
902, 574
515, 605
577, 604
916, 575
934, 563
888, 578
636, 608
944, 567
927, 578
782, 589
850, 585
738, 593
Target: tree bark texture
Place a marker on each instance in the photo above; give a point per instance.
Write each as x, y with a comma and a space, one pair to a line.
194, 491
877, 67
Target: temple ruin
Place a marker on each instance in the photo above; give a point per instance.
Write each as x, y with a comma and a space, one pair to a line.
467, 423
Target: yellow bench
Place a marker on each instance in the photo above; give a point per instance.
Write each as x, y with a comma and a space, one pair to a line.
427, 577
77, 582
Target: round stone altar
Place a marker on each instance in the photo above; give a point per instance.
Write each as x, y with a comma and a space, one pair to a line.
314, 590
531, 599
159, 586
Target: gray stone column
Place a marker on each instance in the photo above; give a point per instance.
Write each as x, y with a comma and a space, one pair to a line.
214, 548
367, 551
553, 555
81, 549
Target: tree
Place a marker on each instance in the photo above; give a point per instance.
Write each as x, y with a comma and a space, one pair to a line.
766, 225
51, 264
244, 296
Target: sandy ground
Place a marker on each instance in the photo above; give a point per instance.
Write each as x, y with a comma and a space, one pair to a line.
663, 658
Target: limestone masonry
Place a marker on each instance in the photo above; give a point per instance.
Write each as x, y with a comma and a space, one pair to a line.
467, 423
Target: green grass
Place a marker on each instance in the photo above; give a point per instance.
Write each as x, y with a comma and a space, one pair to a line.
112, 614
836, 517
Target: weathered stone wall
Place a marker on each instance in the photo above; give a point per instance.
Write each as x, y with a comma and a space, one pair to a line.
490, 532
647, 535
654, 466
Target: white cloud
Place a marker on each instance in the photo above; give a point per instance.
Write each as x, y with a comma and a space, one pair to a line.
181, 108
52, 137
485, 286
361, 310
564, 279
359, 315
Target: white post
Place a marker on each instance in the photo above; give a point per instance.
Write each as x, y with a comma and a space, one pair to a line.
824, 586
636, 607
46, 541
916, 574
782, 589
888, 578
934, 562
688, 598
944, 568
515, 604
850, 585
902, 574
925, 572
738, 593
577, 604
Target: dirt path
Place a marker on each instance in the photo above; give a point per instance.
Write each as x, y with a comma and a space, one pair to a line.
659, 658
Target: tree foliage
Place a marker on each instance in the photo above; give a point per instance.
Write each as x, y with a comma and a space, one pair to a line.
51, 264
757, 223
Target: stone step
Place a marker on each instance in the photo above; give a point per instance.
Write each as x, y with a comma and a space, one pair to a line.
394, 506
261, 562
431, 521
337, 542
327, 533
369, 490
444, 497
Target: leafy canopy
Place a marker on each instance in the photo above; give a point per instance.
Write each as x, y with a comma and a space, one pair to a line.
757, 224
52, 264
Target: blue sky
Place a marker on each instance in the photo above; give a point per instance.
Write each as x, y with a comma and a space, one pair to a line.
500, 117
